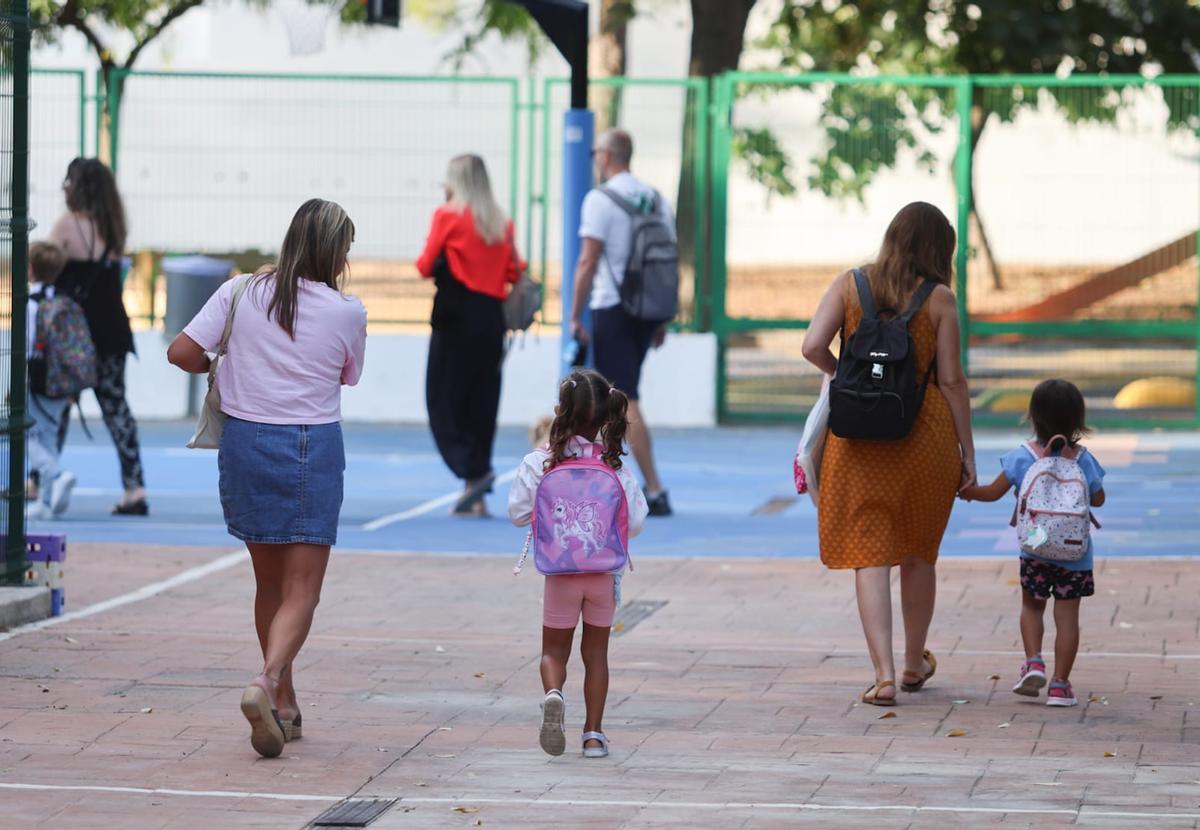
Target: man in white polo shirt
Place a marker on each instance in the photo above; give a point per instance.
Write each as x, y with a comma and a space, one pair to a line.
619, 341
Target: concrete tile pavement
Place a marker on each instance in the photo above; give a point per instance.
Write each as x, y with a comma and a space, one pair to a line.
734, 705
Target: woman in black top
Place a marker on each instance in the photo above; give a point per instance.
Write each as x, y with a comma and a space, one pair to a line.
92, 232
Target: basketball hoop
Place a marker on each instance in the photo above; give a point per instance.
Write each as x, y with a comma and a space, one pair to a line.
306, 24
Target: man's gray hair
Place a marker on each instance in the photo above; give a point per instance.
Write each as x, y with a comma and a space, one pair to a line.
619, 145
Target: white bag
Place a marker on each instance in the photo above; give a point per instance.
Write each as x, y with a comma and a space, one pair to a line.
211, 422
807, 466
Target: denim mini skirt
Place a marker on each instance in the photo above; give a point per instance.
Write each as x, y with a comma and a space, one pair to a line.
282, 483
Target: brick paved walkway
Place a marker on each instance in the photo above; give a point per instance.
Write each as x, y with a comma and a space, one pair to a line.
732, 706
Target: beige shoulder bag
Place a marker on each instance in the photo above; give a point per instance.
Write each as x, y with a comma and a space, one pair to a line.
211, 422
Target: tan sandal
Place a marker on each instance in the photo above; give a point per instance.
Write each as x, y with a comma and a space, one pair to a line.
291, 729
871, 695
916, 687
266, 732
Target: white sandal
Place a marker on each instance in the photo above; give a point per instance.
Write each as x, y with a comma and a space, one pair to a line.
595, 751
553, 735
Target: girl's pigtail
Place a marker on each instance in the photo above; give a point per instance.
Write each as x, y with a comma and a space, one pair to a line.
616, 422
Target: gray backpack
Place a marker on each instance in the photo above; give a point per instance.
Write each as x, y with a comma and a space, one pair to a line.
650, 288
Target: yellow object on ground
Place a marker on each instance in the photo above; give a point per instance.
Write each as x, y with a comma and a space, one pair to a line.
1013, 400
1157, 393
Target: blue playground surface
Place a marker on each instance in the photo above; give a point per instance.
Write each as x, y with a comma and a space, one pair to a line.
731, 489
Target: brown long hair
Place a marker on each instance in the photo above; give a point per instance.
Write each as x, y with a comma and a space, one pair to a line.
314, 248
590, 406
918, 244
91, 189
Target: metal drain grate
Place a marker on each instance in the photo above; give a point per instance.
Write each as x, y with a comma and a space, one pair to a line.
358, 812
632, 613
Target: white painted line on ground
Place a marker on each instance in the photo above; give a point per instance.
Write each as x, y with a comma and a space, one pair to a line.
222, 563
426, 507
1084, 812
147, 791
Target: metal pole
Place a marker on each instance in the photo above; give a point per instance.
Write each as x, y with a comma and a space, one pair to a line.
14, 548
579, 126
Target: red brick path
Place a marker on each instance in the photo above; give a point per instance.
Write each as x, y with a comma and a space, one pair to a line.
734, 706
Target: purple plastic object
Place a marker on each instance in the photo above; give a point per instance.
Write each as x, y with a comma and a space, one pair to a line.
580, 519
48, 547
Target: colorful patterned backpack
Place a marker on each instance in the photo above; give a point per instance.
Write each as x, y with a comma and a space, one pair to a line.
580, 519
64, 357
1053, 516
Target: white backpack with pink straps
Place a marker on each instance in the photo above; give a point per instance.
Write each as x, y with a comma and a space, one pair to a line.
1053, 516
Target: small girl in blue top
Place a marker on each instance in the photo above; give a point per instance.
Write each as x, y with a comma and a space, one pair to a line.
1056, 408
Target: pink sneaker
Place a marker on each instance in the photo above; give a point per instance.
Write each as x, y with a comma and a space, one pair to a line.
1060, 694
1033, 677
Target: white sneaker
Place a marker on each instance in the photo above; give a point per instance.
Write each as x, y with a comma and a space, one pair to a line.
553, 735
60, 493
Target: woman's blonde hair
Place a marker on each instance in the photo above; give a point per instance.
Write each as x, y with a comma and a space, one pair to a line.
469, 187
315, 248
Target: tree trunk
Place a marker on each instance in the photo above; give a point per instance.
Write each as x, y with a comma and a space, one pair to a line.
607, 59
718, 37
979, 119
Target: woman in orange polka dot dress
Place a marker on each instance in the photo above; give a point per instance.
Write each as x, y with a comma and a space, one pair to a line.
886, 503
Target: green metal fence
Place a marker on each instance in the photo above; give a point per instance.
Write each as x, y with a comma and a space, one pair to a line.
1075, 204
14, 238
1074, 200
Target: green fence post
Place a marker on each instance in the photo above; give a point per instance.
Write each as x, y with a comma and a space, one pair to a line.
964, 92
720, 155
97, 98
702, 172
116, 78
545, 176
14, 548
514, 152
530, 164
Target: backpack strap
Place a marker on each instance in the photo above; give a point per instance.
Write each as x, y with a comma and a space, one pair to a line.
926, 288
1035, 449
623, 203
865, 298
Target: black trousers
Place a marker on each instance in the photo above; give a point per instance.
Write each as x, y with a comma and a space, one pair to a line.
462, 382
110, 394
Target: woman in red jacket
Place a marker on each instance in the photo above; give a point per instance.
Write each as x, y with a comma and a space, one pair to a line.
471, 254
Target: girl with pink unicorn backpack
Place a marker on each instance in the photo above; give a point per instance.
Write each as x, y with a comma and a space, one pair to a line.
584, 506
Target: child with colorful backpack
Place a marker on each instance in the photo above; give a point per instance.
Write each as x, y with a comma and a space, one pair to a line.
62, 363
1058, 482
584, 506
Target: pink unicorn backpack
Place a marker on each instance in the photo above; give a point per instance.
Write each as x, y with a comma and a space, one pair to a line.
580, 518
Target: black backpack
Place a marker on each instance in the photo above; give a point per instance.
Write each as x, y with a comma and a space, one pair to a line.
876, 392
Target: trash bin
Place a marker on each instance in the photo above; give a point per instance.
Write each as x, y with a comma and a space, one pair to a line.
191, 280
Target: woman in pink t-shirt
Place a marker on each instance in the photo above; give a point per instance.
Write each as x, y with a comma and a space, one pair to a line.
296, 339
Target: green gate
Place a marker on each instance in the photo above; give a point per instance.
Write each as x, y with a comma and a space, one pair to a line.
1074, 201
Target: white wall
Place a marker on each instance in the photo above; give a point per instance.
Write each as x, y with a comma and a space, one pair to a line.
678, 382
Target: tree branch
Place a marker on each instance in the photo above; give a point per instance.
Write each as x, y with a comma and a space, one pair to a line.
70, 16
170, 17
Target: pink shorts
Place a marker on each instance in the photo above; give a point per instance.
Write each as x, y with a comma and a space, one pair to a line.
566, 596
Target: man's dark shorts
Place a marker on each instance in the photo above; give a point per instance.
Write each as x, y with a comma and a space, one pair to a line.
620, 344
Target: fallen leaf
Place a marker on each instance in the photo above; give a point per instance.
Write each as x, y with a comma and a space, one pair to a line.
1014, 582
479, 822
381, 749
1125, 625
993, 677
461, 809
960, 702
60, 706
70, 639
445, 729
956, 733
147, 710
1110, 755
1047, 783
446, 756
440, 650
886, 715
420, 784
1004, 725
1156, 697
1095, 699
619, 627
480, 675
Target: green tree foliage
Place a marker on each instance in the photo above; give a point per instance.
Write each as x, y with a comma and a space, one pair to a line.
951, 37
